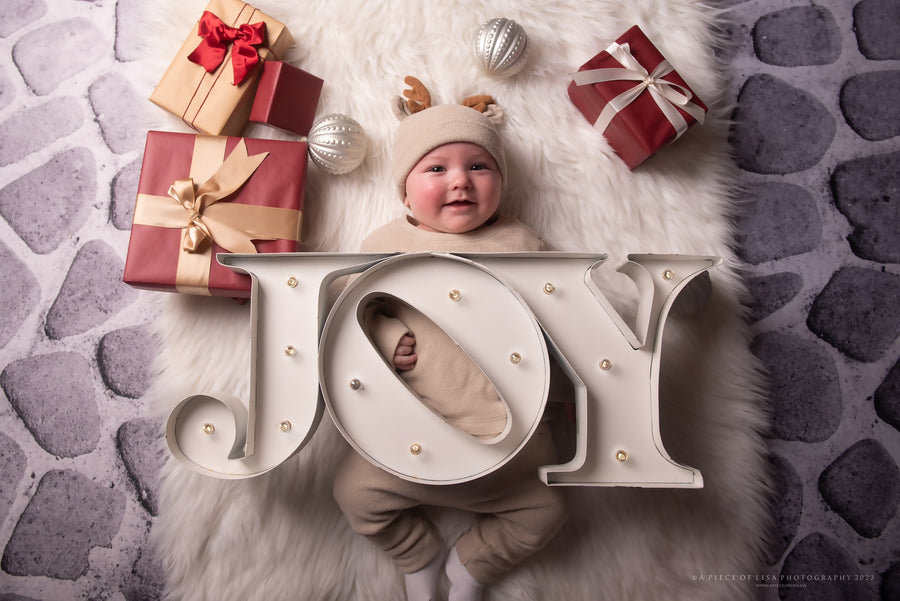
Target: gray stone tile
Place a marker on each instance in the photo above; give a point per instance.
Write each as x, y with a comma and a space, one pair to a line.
7, 91
48, 205
115, 103
871, 104
867, 192
797, 36
770, 293
805, 392
124, 192
37, 53
890, 583
29, 129
778, 128
124, 357
863, 486
143, 450
857, 312
876, 23
129, 30
12, 469
887, 397
19, 293
54, 396
776, 220
51, 539
91, 293
818, 554
147, 579
787, 494
18, 13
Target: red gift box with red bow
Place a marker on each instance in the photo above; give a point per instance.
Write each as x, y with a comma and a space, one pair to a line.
633, 95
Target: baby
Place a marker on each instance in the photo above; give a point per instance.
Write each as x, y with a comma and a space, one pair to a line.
450, 169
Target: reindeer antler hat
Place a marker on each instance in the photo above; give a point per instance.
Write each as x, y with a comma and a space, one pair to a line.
424, 127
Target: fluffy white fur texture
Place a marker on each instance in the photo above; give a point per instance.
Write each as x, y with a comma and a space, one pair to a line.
280, 536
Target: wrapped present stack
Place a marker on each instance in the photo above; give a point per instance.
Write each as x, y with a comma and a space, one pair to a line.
634, 97
212, 81
214, 191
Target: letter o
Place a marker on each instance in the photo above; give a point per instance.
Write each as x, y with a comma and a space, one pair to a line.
382, 418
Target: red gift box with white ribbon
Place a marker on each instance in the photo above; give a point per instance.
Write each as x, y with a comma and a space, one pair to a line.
633, 95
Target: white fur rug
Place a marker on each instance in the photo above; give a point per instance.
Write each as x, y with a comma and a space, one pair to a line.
280, 536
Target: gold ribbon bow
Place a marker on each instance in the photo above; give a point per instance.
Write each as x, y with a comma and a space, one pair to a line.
202, 224
667, 94
196, 210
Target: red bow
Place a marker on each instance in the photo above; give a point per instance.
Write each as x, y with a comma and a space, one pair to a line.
211, 51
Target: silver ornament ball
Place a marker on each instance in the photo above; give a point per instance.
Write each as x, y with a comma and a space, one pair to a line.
337, 143
501, 47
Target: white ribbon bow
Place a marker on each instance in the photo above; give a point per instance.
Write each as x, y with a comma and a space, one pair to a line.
667, 95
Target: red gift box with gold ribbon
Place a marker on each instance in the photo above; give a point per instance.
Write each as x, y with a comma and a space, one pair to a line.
212, 80
202, 195
633, 95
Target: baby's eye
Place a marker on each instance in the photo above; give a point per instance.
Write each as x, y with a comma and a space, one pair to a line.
478, 167
436, 169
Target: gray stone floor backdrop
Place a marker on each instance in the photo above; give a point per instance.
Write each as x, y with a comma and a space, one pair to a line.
816, 135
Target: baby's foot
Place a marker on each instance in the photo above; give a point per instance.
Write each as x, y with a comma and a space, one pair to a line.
421, 585
463, 587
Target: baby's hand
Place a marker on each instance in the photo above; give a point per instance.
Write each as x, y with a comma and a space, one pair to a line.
404, 359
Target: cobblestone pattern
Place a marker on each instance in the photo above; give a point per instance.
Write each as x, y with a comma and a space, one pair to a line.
815, 134
78, 464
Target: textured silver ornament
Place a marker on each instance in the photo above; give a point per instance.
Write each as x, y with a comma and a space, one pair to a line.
337, 143
501, 47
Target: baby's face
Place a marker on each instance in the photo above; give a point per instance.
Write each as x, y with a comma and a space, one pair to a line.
454, 188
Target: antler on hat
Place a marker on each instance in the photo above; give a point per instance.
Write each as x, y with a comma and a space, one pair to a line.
417, 97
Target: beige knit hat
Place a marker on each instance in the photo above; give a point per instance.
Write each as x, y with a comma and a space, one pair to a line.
424, 127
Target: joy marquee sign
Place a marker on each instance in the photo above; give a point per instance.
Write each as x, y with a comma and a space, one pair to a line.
509, 312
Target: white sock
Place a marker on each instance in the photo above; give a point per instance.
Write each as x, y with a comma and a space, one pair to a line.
421, 585
463, 587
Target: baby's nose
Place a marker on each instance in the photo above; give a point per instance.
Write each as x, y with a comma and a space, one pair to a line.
461, 178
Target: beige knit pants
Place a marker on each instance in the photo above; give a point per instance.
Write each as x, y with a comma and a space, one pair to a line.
518, 514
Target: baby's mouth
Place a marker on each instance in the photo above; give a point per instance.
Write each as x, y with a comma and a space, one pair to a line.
459, 203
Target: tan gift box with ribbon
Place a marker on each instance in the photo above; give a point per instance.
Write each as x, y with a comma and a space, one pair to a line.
631, 94
211, 82
202, 195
